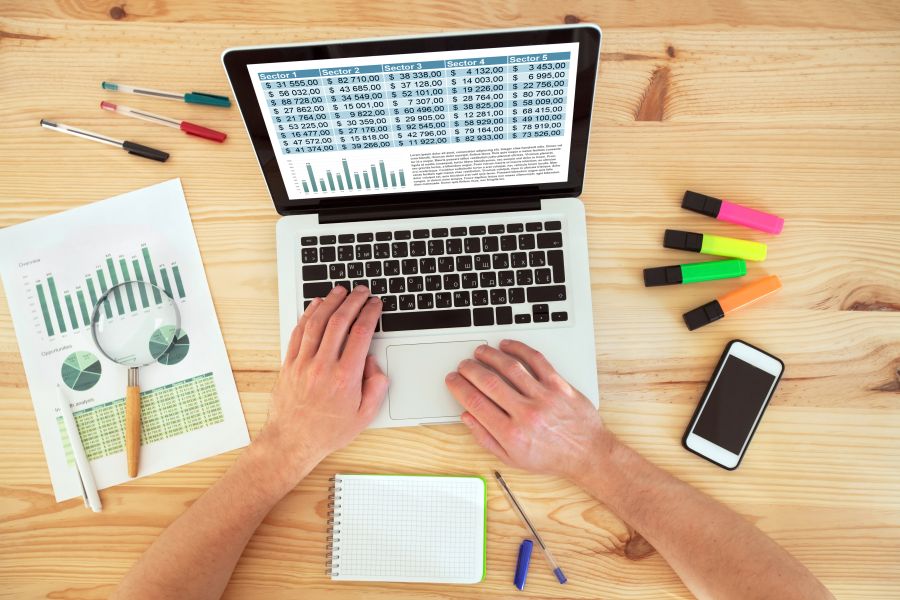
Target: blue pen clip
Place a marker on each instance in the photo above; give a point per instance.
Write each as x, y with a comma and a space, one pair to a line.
522, 564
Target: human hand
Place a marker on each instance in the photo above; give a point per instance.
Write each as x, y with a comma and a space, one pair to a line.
329, 388
520, 409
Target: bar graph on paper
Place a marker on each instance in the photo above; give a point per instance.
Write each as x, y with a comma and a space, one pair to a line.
66, 300
375, 177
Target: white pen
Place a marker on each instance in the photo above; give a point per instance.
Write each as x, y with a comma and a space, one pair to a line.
82, 464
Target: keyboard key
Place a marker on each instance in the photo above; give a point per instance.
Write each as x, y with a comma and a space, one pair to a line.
518, 260
407, 302
417, 248
458, 231
504, 315
399, 249
327, 254
397, 285
500, 261
308, 240
523, 319
515, 228
559, 316
427, 265
410, 266
506, 278
549, 240
360, 282
477, 230
415, 283
498, 296
516, 295
345, 253
309, 255
420, 234
346, 238
373, 269
379, 286
546, 293
364, 237
480, 298
433, 283
391, 267
336, 271
482, 262
526, 241
540, 308
327, 239
488, 279
469, 280
381, 251
461, 298
472, 245
534, 226
541, 317
552, 226
495, 229
388, 303
443, 300
524, 277
402, 235
354, 269
425, 301
435, 247
555, 260
508, 243
490, 243
317, 289
383, 236
445, 264
344, 283
454, 246
434, 319
463, 263
315, 272
440, 232
451, 281
364, 252
542, 276
536, 258
483, 316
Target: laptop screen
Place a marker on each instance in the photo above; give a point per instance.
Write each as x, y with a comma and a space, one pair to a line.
341, 123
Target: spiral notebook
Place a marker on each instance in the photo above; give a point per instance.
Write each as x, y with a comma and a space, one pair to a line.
407, 528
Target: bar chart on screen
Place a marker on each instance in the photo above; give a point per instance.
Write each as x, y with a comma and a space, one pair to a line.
66, 301
343, 178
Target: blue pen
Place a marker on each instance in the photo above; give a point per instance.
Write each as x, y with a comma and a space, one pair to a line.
518, 508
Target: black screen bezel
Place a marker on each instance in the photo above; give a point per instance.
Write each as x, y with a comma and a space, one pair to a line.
236, 61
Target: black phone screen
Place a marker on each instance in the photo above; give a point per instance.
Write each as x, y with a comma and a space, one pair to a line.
734, 404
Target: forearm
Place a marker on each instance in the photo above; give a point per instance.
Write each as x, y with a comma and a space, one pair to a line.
716, 552
195, 556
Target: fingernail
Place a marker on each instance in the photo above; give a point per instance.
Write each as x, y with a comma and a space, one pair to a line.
360, 288
504, 342
374, 300
337, 290
480, 349
452, 376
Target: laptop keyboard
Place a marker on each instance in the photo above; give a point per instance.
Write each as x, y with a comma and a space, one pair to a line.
480, 275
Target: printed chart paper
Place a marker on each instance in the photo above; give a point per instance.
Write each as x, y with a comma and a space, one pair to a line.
53, 270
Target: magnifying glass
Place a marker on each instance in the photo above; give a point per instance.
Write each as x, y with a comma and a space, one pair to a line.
134, 324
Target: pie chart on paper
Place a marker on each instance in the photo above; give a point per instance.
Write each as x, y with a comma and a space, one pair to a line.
81, 371
160, 343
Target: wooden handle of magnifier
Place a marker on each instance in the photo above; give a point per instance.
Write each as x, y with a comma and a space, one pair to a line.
133, 428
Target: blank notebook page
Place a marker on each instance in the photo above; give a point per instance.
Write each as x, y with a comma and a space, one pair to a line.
408, 528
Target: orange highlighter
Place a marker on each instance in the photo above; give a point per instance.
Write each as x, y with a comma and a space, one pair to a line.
730, 302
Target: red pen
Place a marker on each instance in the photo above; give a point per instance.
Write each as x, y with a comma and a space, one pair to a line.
185, 126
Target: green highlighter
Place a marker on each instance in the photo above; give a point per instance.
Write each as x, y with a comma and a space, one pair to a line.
695, 272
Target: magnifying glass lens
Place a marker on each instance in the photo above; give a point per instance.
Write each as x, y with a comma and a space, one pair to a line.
135, 337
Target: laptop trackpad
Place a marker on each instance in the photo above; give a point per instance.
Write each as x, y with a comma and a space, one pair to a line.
417, 374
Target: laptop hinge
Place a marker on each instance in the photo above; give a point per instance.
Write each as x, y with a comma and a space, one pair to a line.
380, 212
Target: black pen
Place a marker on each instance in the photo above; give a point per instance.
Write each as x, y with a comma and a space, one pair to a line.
129, 147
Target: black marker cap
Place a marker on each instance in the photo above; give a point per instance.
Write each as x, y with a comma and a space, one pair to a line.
683, 240
145, 151
700, 203
703, 315
662, 276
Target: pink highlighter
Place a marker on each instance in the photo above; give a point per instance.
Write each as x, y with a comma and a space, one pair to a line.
724, 210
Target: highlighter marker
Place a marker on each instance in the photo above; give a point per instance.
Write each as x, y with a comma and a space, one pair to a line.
695, 272
724, 210
714, 244
732, 301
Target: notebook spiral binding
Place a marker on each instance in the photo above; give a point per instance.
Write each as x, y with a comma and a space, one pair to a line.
332, 554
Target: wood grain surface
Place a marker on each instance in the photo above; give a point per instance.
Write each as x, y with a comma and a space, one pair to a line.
787, 106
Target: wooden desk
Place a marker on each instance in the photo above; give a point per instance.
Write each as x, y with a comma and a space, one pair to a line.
787, 106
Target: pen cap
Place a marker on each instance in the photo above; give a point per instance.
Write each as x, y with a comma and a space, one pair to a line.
683, 240
204, 132
145, 151
209, 99
700, 203
522, 564
750, 293
662, 276
703, 315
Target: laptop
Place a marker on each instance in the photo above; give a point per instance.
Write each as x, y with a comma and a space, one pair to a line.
443, 172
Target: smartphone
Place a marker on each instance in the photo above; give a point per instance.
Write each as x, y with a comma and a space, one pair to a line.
733, 404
